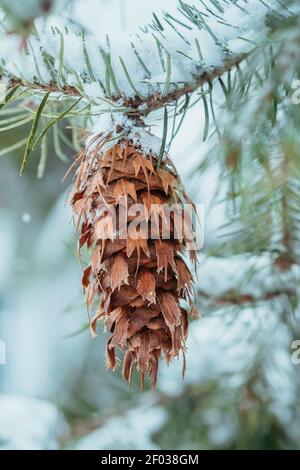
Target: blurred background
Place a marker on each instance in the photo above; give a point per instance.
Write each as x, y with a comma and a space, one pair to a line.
241, 388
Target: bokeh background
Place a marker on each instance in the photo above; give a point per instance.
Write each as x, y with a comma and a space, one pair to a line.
241, 388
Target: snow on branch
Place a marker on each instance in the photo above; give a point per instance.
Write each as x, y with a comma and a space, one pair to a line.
170, 57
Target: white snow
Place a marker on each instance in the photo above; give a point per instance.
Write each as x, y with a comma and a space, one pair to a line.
57, 42
29, 424
130, 431
148, 142
26, 218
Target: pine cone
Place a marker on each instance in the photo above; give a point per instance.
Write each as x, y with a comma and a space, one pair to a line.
136, 276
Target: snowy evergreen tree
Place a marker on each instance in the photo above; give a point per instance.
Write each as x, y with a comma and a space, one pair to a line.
233, 66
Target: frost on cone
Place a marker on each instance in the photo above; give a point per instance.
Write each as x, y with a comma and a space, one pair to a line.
136, 277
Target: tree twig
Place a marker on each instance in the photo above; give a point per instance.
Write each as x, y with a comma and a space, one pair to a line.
142, 106
231, 297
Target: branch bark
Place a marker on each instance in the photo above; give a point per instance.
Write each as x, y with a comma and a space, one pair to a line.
138, 106
156, 70
232, 297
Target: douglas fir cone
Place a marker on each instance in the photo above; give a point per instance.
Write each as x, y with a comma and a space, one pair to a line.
137, 280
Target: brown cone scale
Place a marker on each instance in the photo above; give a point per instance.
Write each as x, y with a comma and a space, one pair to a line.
136, 284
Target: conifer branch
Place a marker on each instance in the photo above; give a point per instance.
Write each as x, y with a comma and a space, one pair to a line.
204, 47
141, 106
232, 297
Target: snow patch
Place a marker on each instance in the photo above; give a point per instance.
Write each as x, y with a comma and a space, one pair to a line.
29, 424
